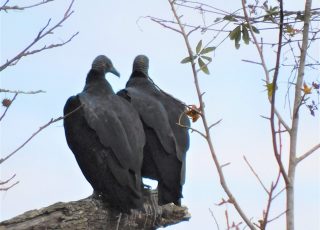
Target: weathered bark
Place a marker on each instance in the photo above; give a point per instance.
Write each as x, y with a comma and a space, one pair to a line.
92, 213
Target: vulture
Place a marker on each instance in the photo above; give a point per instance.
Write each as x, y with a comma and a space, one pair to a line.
166, 142
106, 136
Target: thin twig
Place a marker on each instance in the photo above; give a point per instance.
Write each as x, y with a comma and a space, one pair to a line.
214, 218
278, 193
214, 124
277, 217
256, 175
12, 100
37, 132
5, 7
251, 62
7, 188
308, 153
191, 31
164, 25
6, 181
189, 127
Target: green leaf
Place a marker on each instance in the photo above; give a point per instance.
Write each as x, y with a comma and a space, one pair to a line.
238, 36
199, 46
208, 50
235, 33
203, 66
245, 35
186, 60
230, 18
255, 30
207, 58
237, 45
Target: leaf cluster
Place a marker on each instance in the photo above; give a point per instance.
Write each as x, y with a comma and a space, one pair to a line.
242, 32
201, 56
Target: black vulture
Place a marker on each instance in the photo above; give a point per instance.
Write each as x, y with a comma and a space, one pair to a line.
166, 141
106, 136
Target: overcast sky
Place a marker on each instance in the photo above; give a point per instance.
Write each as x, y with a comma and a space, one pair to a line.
234, 92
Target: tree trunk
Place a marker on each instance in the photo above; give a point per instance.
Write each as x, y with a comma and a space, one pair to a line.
92, 213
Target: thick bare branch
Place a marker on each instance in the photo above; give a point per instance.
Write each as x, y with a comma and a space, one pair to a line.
42, 33
295, 119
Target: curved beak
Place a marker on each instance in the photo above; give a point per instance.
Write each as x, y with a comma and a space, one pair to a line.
115, 72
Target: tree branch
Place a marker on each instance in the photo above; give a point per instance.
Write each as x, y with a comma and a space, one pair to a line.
7, 181
263, 63
256, 175
37, 132
7, 188
5, 7
12, 100
295, 118
308, 153
41, 35
204, 120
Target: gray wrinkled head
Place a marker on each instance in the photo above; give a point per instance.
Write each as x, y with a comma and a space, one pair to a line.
103, 64
141, 64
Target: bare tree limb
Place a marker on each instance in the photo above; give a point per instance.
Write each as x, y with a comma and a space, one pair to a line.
37, 132
308, 153
42, 33
205, 123
295, 118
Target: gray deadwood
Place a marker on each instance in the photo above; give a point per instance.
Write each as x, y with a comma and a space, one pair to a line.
92, 213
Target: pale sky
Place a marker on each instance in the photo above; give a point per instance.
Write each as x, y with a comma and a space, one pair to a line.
46, 167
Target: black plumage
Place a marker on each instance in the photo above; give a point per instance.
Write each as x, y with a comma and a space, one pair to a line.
106, 136
167, 142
